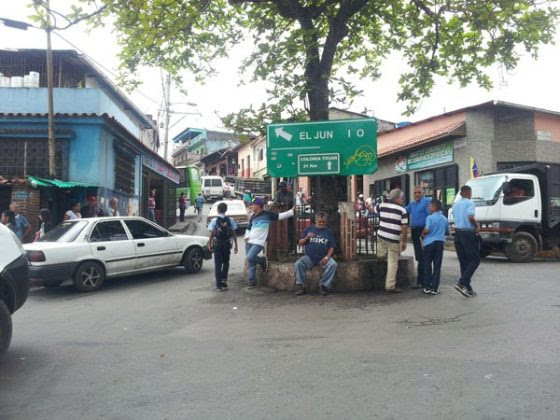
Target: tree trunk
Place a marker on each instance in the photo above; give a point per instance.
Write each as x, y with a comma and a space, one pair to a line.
328, 190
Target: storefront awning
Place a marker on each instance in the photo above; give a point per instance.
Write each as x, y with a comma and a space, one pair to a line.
46, 183
456, 129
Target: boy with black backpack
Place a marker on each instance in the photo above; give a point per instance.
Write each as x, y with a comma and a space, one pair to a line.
222, 231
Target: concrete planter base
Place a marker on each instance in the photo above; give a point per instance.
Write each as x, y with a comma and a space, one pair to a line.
362, 274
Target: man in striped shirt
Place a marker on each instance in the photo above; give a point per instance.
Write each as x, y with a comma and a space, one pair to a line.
392, 234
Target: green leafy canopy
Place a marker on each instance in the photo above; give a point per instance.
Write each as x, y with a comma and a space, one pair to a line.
306, 49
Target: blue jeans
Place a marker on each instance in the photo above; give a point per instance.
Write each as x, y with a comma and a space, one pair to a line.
433, 254
418, 253
252, 251
468, 253
305, 263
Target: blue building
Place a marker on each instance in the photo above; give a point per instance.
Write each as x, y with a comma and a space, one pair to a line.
105, 146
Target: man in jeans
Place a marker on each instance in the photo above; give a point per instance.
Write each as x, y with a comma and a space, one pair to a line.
319, 245
255, 238
392, 234
466, 241
418, 211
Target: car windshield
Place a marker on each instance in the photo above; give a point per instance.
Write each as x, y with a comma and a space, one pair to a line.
67, 231
486, 191
234, 207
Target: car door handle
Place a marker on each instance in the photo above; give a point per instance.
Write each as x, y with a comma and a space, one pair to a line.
101, 248
141, 244
536, 213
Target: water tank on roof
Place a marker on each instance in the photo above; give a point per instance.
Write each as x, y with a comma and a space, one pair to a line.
402, 124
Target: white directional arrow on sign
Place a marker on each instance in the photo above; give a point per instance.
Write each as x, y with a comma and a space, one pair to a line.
279, 131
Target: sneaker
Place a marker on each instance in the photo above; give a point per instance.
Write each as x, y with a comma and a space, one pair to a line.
471, 293
434, 291
324, 290
395, 290
462, 290
224, 285
265, 265
427, 291
251, 286
218, 289
300, 290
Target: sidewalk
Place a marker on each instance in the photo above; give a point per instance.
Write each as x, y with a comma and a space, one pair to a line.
188, 227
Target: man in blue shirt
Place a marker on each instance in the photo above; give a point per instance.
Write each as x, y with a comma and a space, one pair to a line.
222, 231
319, 245
466, 241
418, 210
22, 228
437, 228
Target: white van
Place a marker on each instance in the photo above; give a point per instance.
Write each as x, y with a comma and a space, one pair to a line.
213, 187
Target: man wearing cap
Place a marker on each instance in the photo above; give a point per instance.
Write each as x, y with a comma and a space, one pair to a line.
257, 233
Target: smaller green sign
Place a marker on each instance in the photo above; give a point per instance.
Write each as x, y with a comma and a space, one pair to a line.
319, 164
431, 156
449, 196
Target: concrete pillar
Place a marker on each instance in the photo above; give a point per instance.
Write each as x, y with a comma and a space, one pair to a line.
347, 230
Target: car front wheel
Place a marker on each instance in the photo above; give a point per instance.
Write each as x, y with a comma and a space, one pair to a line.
522, 248
193, 260
89, 276
5, 327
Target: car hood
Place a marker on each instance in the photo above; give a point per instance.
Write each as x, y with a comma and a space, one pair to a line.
200, 240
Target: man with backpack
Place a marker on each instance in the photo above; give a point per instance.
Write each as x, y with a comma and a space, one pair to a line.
222, 231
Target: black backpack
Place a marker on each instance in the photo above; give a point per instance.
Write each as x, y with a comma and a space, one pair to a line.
223, 229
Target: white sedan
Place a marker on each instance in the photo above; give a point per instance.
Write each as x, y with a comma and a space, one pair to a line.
87, 251
236, 210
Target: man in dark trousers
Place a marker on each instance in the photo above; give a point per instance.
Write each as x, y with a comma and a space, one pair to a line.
418, 211
222, 231
466, 241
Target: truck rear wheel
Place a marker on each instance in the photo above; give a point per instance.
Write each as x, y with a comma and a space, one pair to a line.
5, 327
522, 248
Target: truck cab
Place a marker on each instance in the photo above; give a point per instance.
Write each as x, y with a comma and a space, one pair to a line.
515, 212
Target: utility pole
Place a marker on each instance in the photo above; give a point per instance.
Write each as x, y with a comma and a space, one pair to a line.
167, 110
50, 82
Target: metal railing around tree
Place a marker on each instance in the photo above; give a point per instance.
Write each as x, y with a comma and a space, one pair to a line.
284, 234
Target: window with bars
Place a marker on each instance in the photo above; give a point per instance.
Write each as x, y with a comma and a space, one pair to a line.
31, 157
124, 172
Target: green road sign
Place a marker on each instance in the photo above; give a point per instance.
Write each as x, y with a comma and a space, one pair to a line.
319, 164
345, 147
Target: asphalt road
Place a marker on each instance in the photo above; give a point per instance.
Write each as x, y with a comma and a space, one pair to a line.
165, 346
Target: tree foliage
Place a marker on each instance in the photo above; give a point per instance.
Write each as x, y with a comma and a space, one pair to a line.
306, 50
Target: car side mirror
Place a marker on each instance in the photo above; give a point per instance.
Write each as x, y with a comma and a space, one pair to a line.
506, 188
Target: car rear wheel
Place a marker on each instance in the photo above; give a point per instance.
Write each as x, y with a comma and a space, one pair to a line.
89, 276
193, 260
5, 327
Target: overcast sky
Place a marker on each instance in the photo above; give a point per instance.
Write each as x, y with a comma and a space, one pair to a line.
533, 83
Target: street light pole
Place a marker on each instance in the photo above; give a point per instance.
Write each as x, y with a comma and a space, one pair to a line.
167, 114
50, 82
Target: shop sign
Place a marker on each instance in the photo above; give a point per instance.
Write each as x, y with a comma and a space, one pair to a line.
161, 169
450, 196
345, 147
21, 195
431, 156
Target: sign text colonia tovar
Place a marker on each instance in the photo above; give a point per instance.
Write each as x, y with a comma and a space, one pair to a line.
341, 147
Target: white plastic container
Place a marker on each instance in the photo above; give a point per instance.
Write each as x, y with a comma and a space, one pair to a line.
34, 79
5, 82
26, 81
16, 81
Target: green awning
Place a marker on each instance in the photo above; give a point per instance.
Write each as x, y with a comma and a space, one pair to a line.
42, 182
